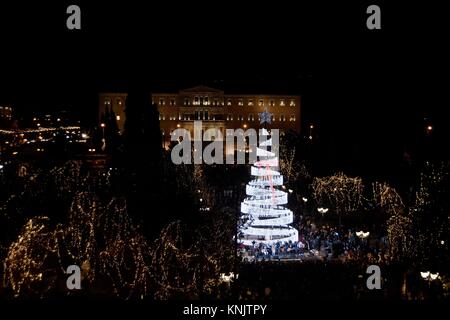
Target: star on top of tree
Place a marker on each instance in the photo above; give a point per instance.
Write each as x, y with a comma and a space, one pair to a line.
265, 116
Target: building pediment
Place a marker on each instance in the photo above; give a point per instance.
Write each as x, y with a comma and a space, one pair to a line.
201, 90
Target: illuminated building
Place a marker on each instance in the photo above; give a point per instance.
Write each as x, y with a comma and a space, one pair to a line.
214, 107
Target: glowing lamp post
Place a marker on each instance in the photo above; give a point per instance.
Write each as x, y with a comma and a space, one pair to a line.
102, 125
362, 234
429, 277
322, 210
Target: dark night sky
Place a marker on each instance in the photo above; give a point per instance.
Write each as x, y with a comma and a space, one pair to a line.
373, 86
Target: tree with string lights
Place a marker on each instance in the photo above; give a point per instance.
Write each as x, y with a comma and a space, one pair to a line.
339, 193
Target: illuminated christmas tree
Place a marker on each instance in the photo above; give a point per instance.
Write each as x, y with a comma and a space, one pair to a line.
266, 219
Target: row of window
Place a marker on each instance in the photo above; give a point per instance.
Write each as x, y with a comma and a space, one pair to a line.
108, 102
199, 115
204, 101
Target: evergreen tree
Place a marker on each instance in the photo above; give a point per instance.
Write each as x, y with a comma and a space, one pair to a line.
143, 153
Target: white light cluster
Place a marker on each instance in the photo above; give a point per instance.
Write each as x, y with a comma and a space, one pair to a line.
267, 220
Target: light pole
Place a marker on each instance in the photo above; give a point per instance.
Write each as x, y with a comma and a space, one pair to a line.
429, 277
164, 140
322, 210
102, 125
103, 129
362, 234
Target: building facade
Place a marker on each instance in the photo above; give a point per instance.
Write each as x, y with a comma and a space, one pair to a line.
214, 108
5, 116
113, 102
5, 112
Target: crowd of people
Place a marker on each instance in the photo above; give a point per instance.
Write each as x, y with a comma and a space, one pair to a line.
322, 242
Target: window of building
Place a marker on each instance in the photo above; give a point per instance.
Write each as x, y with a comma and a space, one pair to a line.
240, 102
179, 116
119, 102
261, 102
250, 102
229, 102
187, 102
292, 117
118, 118
205, 115
173, 117
162, 102
251, 117
229, 117
107, 102
271, 103
172, 102
206, 101
282, 117
282, 103
292, 103
162, 117
273, 118
241, 117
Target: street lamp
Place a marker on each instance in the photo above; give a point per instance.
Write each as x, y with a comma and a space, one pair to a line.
102, 125
362, 234
164, 140
311, 127
103, 129
322, 210
429, 277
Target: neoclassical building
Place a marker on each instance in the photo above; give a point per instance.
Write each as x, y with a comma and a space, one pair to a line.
214, 107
